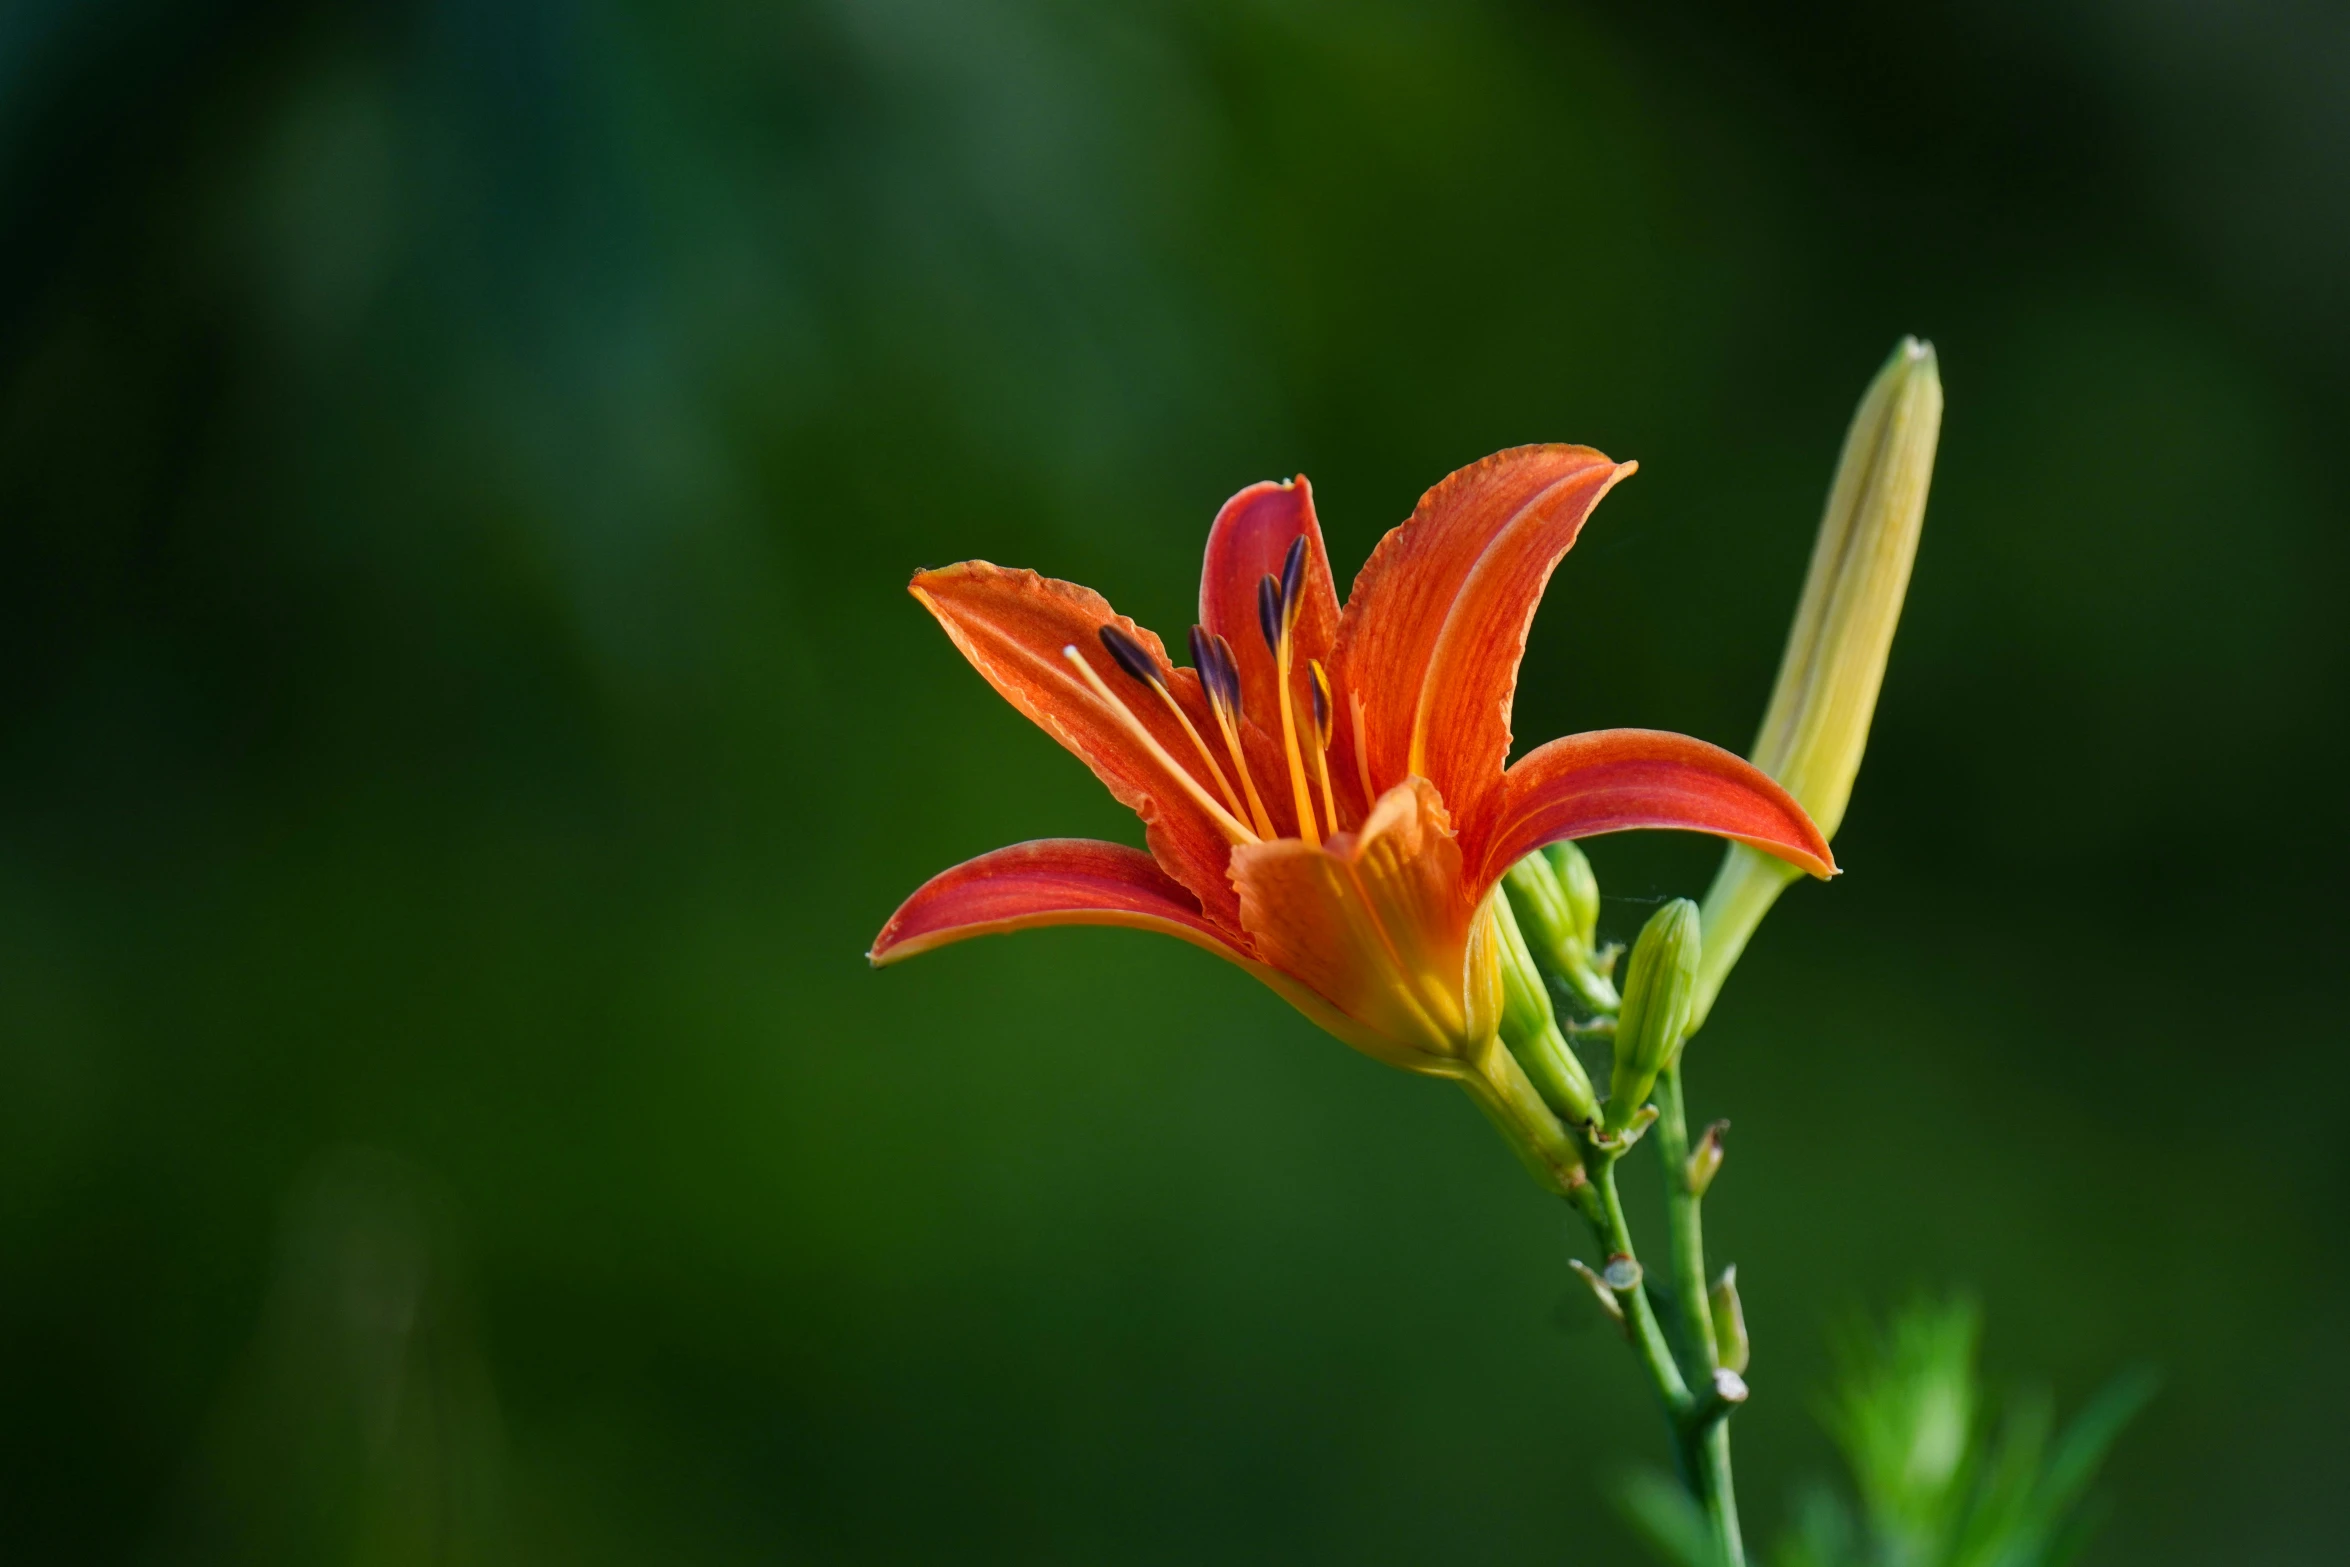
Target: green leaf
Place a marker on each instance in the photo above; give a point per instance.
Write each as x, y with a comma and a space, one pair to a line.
1667, 1519
1941, 1484
2081, 1451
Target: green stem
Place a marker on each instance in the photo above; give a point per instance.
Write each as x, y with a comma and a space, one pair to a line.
1686, 1226
1704, 1437
1605, 1211
1711, 1464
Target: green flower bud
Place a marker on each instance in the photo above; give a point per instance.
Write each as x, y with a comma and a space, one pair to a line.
1817, 724
1556, 899
1530, 1028
1658, 989
1730, 1343
1580, 887
1704, 1161
1490, 1071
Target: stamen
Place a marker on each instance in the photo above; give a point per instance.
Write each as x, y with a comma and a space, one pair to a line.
1225, 821
1274, 608
1130, 657
1219, 676
1216, 677
1293, 579
1318, 687
1362, 749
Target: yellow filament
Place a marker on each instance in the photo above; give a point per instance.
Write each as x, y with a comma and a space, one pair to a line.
1198, 745
1256, 805
1329, 800
1362, 751
1225, 821
1297, 767
1322, 729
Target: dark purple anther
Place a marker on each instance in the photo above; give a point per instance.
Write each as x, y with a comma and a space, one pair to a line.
1129, 655
1293, 578
1216, 676
1227, 675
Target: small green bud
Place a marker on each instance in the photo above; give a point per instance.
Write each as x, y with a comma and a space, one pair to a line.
1704, 1161
1580, 887
1730, 1343
1599, 1290
1491, 1073
1657, 992
1530, 1028
1556, 899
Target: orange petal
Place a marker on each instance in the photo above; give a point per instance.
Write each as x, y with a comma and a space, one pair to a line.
1077, 881
1012, 626
1052, 881
1612, 780
1376, 922
1251, 536
1437, 621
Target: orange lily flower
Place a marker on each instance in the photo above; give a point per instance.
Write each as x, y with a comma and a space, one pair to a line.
1324, 791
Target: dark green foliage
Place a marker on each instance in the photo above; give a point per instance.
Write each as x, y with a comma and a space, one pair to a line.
1947, 1475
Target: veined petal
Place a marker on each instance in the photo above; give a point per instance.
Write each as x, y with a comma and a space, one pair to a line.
1612, 780
1436, 623
1078, 881
1251, 536
1376, 922
1013, 626
1051, 881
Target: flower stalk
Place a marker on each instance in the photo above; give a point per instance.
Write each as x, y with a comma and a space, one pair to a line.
1333, 814
1812, 739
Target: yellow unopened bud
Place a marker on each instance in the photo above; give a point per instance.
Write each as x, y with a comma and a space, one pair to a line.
1658, 989
1817, 724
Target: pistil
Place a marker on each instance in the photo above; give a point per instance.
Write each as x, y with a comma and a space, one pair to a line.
1362, 749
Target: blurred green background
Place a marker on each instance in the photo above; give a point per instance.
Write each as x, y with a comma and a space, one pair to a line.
461, 723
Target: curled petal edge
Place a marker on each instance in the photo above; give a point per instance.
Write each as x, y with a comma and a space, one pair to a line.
1081, 881
1615, 780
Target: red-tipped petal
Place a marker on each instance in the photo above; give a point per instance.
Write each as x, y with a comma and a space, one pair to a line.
1613, 780
1078, 881
1052, 881
1251, 536
1013, 626
1437, 621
